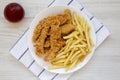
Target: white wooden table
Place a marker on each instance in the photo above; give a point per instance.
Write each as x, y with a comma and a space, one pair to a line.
105, 64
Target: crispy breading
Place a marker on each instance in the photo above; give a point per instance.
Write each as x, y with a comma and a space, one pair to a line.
38, 30
67, 28
38, 50
52, 51
40, 43
48, 34
46, 49
65, 17
56, 41
41, 40
69, 17
55, 35
47, 42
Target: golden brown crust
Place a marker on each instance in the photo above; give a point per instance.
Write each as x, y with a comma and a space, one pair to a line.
41, 40
55, 41
47, 35
37, 31
66, 29
47, 42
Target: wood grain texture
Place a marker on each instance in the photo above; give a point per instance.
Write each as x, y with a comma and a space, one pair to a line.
103, 66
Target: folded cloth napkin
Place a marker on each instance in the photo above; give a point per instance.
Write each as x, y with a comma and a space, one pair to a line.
21, 52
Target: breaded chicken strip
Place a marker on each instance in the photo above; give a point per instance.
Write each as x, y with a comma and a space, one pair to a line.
56, 41
67, 28
65, 17
41, 40
67, 11
48, 34
40, 43
47, 42
38, 30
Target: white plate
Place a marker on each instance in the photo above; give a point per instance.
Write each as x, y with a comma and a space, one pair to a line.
48, 12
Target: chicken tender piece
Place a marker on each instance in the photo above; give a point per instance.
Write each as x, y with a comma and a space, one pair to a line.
41, 40
54, 38
37, 31
47, 43
65, 17
46, 50
48, 34
67, 11
56, 41
67, 28
40, 43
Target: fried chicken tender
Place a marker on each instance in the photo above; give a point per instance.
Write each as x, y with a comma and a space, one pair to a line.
37, 31
41, 40
65, 17
67, 11
66, 29
56, 41
47, 49
47, 42
48, 34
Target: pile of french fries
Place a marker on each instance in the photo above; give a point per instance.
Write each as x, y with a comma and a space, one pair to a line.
78, 45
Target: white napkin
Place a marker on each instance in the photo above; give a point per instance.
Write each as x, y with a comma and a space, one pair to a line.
21, 52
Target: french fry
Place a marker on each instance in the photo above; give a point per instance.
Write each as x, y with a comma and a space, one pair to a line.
78, 25
55, 66
60, 61
58, 58
83, 51
69, 57
79, 46
74, 55
60, 54
71, 35
73, 64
